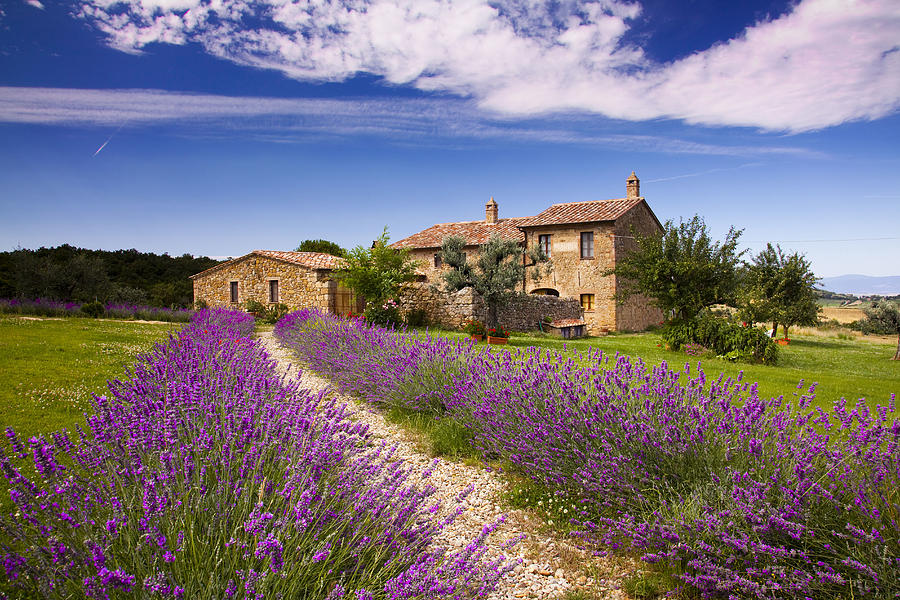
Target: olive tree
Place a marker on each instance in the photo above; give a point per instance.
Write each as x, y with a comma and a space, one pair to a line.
495, 275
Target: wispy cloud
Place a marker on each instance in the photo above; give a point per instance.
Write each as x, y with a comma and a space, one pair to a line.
35, 3
822, 64
419, 121
702, 173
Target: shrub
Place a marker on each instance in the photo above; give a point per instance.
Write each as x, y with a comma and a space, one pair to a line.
93, 309
724, 338
266, 314
386, 314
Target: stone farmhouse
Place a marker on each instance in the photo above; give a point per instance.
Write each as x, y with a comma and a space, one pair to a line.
583, 239
297, 279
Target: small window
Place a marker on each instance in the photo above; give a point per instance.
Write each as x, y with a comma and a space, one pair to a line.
587, 301
273, 291
544, 243
587, 244
234, 292
437, 261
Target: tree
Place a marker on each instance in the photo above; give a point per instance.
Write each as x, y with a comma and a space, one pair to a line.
883, 317
377, 274
681, 269
496, 274
779, 288
324, 246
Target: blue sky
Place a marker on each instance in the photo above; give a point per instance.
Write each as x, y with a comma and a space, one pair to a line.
217, 127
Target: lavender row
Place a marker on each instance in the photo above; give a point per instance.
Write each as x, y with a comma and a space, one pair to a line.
204, 474
56, 308
746, 497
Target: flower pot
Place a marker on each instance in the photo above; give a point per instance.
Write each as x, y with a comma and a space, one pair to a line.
477, 337
783, 342
497, 340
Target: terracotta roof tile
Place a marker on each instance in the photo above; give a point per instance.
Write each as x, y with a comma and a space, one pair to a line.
310, 260
582, 212
313, 260
475, 232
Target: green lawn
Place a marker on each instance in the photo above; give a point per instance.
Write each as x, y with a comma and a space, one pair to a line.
851, 368
50, 368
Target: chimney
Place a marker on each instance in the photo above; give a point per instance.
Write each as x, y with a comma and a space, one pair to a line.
491, 211
633, 186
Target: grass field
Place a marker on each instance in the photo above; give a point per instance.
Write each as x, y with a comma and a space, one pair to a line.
845, 364
49, 368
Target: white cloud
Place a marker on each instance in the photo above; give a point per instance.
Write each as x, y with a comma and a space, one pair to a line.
403, 120
825, 63
35, 4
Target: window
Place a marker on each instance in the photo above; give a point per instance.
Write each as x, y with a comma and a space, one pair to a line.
273, 290
234, 292
587, 244
437, 261
587, 301
544, 243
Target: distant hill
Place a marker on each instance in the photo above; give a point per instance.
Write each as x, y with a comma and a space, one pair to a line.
862, 285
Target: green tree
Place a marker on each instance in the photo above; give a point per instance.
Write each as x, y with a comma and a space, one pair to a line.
377, 274
495, 275
779, 288
883, 317
324, 246
681, 269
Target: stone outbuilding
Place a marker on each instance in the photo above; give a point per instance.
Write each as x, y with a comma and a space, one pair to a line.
582, 239
296, 279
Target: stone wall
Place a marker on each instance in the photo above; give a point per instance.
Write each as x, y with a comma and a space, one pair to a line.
636, 313
298, 286
451, 310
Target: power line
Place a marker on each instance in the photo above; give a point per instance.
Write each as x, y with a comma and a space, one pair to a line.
871, 239
822, 240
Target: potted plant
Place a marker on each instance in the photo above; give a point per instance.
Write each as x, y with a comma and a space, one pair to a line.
475, 329
497, 335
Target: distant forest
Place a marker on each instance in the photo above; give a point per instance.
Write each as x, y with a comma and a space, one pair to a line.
82, 275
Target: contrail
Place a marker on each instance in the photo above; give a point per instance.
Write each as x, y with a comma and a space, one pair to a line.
708, 172
108, 140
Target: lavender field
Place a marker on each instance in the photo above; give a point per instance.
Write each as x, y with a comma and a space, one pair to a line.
55, 308
743, 496
204, 474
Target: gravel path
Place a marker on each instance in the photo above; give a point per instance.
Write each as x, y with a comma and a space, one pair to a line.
549, 565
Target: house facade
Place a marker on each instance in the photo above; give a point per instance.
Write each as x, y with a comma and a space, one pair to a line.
296, 279
582, 239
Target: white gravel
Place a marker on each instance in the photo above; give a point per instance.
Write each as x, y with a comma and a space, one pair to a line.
550, 565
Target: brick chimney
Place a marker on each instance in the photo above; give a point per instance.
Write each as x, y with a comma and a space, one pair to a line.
491, 212
633, 186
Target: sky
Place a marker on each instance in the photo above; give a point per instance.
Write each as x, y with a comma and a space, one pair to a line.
215, 127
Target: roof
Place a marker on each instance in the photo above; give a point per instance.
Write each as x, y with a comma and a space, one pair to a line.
475, 232
583, 212
310, 260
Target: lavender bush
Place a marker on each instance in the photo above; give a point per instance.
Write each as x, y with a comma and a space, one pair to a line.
206, 475
54, 308
746, 497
